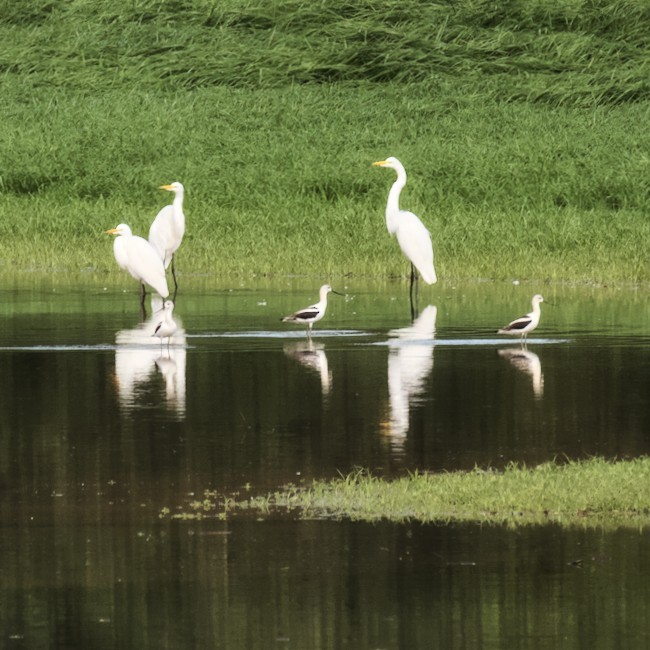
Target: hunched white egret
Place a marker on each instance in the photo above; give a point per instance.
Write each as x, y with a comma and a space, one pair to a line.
522, 326
313, 313
167, 230
136, 255
412, 236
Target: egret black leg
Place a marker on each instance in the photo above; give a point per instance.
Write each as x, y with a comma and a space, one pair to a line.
414, 303
143, 309
174, 276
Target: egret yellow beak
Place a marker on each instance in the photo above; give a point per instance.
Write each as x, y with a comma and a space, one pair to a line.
169, 188
112, 231
379, 163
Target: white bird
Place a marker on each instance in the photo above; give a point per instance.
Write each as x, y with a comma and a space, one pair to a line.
167, 230
136, 255
522, 326
313, 313
413, 237
166, 326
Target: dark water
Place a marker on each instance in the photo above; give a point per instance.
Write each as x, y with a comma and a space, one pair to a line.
102, 430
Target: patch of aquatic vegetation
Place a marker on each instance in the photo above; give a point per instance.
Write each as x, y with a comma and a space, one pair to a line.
593, 492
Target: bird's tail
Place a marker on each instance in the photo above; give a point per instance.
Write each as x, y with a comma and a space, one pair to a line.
429, 275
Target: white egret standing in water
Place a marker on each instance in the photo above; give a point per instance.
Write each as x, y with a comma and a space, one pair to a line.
412, 236
312, 314
167, 230
136, 255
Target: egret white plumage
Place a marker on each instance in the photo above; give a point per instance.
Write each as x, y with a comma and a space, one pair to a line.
313, 313
167, 230
525, 324
136, 255
412, 236
167, 326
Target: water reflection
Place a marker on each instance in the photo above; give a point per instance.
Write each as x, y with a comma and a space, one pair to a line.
410, 360
528, 363
311, 355
87, 562
139, 353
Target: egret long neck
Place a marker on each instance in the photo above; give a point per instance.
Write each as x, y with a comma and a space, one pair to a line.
179, 216
392, 207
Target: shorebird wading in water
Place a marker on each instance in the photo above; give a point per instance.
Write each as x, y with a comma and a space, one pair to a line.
522, 326
167, 325
312, 314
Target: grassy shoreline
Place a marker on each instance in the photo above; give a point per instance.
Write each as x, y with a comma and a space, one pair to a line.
591, 493
522, 129
562, 198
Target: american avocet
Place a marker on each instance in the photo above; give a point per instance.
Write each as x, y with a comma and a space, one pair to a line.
167, 230
412, 236
312, 314
522, 326
137, 256
167, 326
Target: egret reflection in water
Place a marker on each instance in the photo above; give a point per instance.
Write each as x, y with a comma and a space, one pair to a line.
528, 363
138, 357
311, 355
410, 361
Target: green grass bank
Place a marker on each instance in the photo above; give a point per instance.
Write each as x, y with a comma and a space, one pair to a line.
594, 492
522, 125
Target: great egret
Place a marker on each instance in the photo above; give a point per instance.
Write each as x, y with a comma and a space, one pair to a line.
522, 326
167, 230
167, 325
136, 255
313, 313
413, 237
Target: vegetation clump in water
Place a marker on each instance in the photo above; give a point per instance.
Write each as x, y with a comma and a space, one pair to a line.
594, 492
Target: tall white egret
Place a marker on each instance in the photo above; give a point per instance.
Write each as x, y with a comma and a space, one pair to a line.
522, 326
312, 314
167, 230
136, 255
166, 326
412, 236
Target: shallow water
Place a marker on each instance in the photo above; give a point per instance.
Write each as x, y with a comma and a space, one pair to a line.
103, 427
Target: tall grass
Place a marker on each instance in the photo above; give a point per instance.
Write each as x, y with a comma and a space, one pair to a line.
594, 49
521, 125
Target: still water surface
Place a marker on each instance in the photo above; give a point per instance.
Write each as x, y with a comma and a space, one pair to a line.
102, 428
